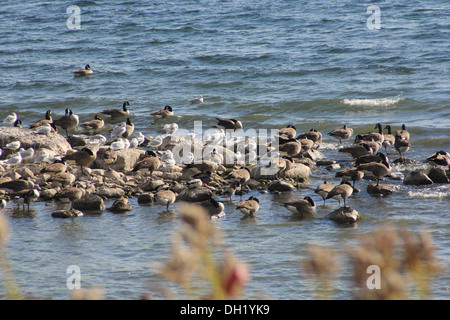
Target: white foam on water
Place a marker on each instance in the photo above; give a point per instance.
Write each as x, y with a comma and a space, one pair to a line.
380, 102
435, 192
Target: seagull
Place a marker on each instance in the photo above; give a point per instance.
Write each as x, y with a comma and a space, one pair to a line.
97, 139
140, 137
156, 142
119, 144
119, 130
14, 145
15, 159
134, 143
26, 154
196, 100
170, 128
44, 129
10, 119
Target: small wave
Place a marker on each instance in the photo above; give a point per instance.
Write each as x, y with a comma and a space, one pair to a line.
440, 192
380, 102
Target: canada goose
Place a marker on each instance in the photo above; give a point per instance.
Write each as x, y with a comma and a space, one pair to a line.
26, 197
109, 156
83, 157
356, 150
83, 72
229, 124
285, 163
313, 135
212, 207
323, 190
129, 129
194, 183
205, 177
165, 197
376, 169
341, 133
48, 119
389, 138
242, 175
440, 158
289, 131
11, 119
95, 124
120, 205
402, 145
229, 192
375, 136
249, 206
306, 144
366, 158
17, 185
203, 166
17, 123
305, 205
150, 162
290, 148
115, 112
162, 113
67, 122
70, 193
62, 179
196, 100
374, 145
3, 204
58, 166
351, 173
341, 192
403, 132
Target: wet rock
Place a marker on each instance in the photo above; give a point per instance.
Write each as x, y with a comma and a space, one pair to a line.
48, 194
344, 215
67, 213
90, 202
438, 175
126, 159
145, 198
110, 192
380, 190
280, 186
195, 194
417, 178
151, 185
29, 139
121, 205
299, 172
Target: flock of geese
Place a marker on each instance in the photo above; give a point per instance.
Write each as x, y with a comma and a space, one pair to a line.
369, 160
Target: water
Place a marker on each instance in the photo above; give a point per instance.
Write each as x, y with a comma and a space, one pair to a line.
312, 64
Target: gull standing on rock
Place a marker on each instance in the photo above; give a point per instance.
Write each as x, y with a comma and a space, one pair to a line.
11, 119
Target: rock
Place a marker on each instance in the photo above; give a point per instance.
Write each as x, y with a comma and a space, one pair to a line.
344, 215
67, 213
29, 139
380, 190
145, 198
25, 172
195, 194
110, 192
417, 178
126, 159
281, 186
90, 202
48, 194
151, 185
438, 175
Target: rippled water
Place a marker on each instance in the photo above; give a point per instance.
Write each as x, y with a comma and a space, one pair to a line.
312, 64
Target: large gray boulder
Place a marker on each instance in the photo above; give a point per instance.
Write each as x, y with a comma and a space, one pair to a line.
29, 139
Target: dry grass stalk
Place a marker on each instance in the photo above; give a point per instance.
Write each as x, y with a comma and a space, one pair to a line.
193, 261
